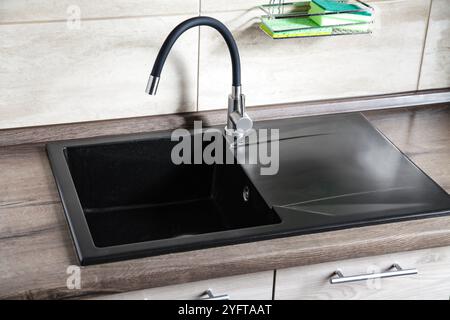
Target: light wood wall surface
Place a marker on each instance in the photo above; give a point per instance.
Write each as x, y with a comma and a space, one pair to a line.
57, 69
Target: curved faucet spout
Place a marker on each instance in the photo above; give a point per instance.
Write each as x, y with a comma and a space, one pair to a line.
177, 32
238, 122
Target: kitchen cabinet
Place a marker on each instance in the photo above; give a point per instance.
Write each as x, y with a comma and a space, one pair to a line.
317, 68
313, 282
435, 72
256, 286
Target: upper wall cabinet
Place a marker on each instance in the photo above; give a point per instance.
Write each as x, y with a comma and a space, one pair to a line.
44, 10
69, 70
209, 6
65, 61
436, 59
290, 70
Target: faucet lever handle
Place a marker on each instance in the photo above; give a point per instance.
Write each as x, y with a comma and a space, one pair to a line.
241, 123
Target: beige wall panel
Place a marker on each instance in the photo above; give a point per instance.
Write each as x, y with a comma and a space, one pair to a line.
436, 61
13, 11
52, 74
290, 70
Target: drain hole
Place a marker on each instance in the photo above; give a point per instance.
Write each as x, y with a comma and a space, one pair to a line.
246, 193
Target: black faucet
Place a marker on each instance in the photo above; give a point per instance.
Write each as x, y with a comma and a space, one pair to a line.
238, 122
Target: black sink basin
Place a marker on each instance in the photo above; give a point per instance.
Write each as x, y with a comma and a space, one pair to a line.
124, 198
127, 198
132, 192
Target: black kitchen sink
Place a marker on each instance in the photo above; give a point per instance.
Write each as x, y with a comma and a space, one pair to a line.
132, 192
124, 197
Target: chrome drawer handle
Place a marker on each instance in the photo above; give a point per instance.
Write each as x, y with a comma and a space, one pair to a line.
210, 296
394, 271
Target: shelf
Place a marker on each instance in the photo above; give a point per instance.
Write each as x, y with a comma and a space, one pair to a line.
308, 19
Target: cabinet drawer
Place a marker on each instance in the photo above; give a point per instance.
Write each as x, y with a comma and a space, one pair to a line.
313, 282
244, 287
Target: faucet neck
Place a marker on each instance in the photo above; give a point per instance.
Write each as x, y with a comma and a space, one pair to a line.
238, 122
178, 31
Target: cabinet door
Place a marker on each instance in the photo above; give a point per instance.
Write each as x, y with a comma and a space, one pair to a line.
317, 68
244, 287
432, 280
436, 58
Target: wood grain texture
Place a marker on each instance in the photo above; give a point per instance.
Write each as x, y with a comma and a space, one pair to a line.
32, 11
209, 6
435, 72
255, 286
42, 134
312, 282
54, 74
36, 248
290, 70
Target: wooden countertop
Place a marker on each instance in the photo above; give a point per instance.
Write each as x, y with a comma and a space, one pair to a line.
36, 248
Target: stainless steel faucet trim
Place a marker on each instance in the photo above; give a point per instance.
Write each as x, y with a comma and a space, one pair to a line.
238, 122
152, 85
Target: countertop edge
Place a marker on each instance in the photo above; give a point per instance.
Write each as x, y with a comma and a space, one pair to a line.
49, 233
247, 258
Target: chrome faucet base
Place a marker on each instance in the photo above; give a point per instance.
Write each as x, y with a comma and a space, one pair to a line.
234, 137
230, 132
238, 122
